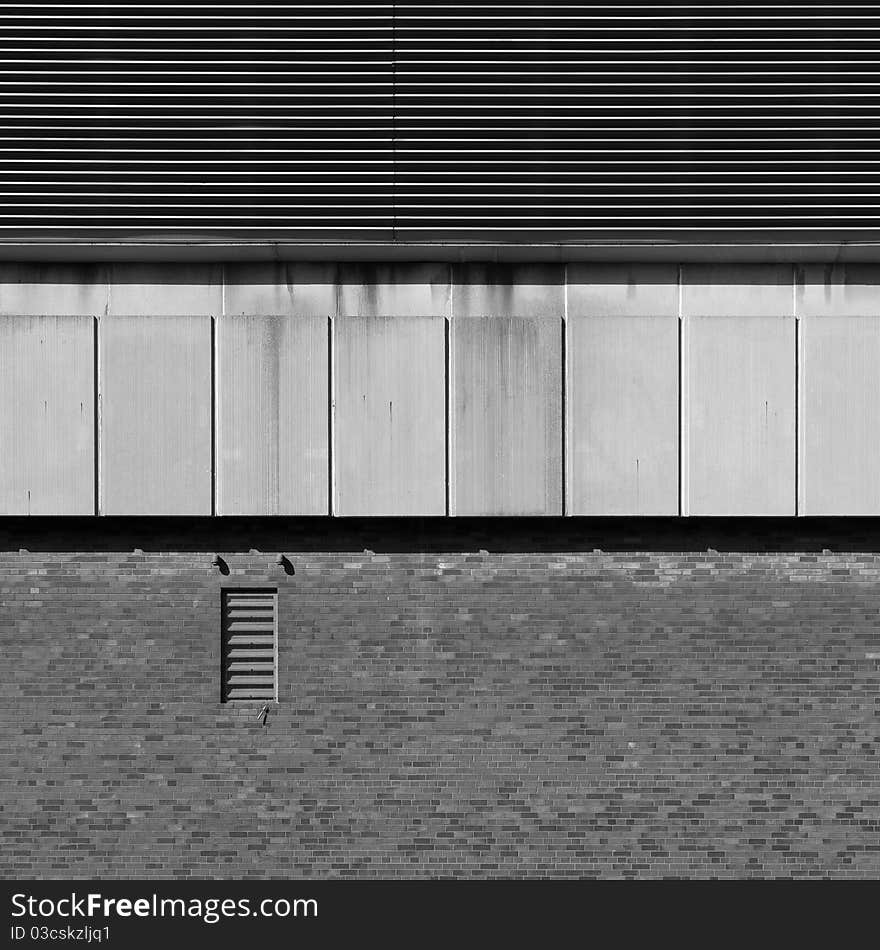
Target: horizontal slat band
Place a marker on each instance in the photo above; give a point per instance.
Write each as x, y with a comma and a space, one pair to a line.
511, 123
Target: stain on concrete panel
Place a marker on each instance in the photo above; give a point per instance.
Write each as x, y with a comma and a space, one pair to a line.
623, 415
507, 416
273, 415
155, 394
738, 290
393, 290
840, 415
634, 290
166, 289
47, 415
838, 290
53, 289
271, 289
740, 413
498, 290
390, 423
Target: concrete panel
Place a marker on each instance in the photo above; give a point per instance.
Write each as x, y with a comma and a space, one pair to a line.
155, 395
393, 290
637, 290
843, 290
840, 416
166, 289
272, 289
500, 290
740, 422
622, 416
390, 418
53, 289
507, 416
273, 415
741, 290
47, 416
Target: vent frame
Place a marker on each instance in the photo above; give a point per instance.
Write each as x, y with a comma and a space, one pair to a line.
236, 599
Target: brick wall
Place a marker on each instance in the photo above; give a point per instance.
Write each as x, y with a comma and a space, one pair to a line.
459, 699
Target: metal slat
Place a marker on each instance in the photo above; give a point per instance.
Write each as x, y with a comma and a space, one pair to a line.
256, 611
251, 640
250, 692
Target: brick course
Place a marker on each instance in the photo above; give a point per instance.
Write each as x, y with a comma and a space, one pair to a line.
469, 699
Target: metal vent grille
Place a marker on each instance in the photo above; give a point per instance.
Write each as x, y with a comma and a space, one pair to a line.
491, 122
249, 621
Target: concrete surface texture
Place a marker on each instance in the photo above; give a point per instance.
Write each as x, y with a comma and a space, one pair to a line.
424, 389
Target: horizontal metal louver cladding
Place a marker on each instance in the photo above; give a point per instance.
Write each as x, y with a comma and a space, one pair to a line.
431, 122
249, 644
181, 122
622, 122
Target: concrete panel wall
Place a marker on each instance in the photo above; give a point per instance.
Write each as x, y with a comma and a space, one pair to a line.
742, 290
840, 390
53, 290
166, 289
155, 411
622, 411
740, 416
47, 415
637, 290
622, 416
393, 290
390, 416
840, 416
501, 378
506, 389
507, 416
838, 290
273, 415
739, 390
305, 290
493, 290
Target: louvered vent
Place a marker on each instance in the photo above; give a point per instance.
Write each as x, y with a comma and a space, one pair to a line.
249, 644
434, 122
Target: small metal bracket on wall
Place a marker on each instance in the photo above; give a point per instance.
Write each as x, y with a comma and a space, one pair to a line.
263, 715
